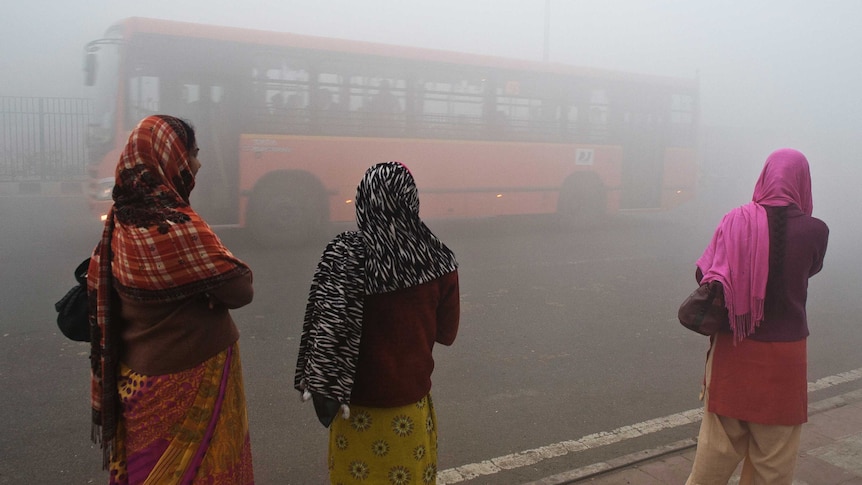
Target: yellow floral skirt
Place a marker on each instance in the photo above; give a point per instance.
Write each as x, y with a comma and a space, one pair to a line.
396, 446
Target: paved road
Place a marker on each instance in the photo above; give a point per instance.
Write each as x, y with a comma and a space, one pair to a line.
565, 334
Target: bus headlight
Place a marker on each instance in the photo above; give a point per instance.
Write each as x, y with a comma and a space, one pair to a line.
104, 189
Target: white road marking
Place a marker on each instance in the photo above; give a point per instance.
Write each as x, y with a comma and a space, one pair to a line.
830, 381
595, 440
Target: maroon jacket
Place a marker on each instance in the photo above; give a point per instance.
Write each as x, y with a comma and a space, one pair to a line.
784, 316
399, 329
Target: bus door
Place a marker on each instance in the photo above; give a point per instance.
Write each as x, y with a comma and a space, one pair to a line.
641, 121
216, 194
210, 105
181, 79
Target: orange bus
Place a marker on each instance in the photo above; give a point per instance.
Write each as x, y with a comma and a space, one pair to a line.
288, 123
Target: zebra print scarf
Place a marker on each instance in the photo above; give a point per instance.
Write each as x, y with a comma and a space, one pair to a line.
392, 249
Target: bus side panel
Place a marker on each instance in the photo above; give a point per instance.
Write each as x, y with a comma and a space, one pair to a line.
455, 178
680, 180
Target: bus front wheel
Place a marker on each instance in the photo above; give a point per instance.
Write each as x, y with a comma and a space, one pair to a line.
287, 213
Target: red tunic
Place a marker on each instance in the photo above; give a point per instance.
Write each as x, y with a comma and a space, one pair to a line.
759, 382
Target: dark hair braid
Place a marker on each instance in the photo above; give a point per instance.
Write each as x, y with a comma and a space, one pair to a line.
777, 217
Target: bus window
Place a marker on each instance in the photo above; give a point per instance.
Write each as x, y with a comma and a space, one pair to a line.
355, 92
190, 105
571, 119
598, 116
355, 97
384, 100
144, 98
577, 112
377, 104
384, 105
511, 110
682, 119
216, 93
191, 93
282, 95
328, 103
330, 99
328, 93
325, 109
529, 108
449, 105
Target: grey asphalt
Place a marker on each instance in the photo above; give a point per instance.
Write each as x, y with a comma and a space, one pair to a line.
565, 334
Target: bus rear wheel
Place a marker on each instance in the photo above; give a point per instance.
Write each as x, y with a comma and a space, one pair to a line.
287, 213
582, 202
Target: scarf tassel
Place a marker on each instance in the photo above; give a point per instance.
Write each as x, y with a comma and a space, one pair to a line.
744, 325
106, 446
109, 446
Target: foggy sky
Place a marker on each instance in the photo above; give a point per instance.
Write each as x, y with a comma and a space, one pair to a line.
787, 63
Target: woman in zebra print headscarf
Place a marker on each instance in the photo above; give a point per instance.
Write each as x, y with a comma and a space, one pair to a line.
380, 299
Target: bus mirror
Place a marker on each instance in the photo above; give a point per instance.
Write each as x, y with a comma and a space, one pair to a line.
89, 69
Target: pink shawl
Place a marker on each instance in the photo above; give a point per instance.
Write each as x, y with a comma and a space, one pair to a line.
738, 254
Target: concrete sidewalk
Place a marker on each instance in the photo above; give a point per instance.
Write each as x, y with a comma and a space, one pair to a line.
830, 454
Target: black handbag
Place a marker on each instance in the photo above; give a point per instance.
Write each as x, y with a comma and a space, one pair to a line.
72, 312
704, 311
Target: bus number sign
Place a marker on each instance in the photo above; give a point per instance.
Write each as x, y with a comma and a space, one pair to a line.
584, 156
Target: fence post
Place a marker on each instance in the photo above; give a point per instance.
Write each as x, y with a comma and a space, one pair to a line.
40, 159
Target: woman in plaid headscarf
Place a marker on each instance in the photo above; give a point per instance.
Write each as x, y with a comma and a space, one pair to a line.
167, 392
380, 299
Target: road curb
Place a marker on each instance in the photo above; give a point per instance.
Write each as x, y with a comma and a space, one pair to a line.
625, 461
616, 464
30, 188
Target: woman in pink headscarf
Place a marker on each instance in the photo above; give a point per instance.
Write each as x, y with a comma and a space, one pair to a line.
756, 385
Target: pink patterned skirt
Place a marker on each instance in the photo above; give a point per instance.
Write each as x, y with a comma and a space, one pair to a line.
189, 427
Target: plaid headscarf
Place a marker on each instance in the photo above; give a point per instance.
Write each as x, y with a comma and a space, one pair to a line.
393, 249
154, 247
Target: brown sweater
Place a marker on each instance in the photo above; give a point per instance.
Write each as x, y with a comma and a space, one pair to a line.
162, 338
399, 329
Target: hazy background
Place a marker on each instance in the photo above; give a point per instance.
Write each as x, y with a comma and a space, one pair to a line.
787, 63
772, 73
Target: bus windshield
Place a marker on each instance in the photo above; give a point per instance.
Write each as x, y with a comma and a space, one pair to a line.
102, 66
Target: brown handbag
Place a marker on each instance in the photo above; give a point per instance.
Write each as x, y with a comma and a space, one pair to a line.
704, 311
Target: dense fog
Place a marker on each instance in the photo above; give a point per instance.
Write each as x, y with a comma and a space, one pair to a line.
771, 73
760, 64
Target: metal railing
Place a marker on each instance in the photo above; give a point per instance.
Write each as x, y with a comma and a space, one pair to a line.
43, 138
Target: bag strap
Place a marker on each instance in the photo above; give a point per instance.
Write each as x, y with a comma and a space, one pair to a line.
81, 272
